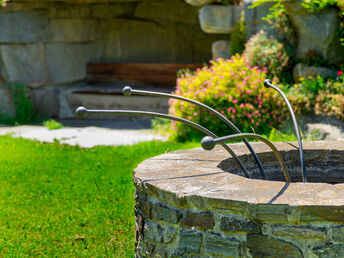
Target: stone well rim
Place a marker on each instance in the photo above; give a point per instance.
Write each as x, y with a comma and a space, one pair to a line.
190, 174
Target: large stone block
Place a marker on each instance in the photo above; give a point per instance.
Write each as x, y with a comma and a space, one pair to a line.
160, 212
24, 27
203, 220
304, 71
217, 244
60, 10
201, 2
171, 11
143, 41
235, 224
329, 251
264, 246
190, 241
220, 49
67, 62
6, 104
254, 17
108, 11
46, 102
219, 19
338, 234
25, 63
74, 30
159, 233
317, 32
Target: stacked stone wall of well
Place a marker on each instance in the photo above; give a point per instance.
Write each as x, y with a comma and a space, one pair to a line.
46, 45
187, 206
192, 228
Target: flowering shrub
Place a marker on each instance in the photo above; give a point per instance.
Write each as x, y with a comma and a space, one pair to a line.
263, 51
233, 88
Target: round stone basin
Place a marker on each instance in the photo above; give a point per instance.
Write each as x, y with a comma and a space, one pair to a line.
197, 203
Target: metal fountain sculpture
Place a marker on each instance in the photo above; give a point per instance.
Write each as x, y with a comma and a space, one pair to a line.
211, 139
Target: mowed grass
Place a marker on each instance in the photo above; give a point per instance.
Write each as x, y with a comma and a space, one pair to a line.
63, 201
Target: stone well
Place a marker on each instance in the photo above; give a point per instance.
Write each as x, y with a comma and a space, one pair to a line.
196, 203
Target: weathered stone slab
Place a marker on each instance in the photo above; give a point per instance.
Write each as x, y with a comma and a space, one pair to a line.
338, 234
67, 62
201, 2
216, 244
304, 71
234, 224
160, 212
203, 220
329, 251
173, 42
158, 233
58, 10
6, 104
108, 11
219, 19
46, 102
25, 63
24, 27
299, 231
316, 32
263, 246
220, 49
173, 11
74, 30
254, 17
190, 241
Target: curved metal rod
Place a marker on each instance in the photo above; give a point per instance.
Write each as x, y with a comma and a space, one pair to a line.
82, 112
209, 143
127, 91
268, 84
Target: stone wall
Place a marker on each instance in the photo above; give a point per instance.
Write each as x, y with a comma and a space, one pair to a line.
47, 44
187, 206
316, 33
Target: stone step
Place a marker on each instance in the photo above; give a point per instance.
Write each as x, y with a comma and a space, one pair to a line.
105, 97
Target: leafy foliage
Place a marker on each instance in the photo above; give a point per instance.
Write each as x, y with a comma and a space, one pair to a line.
233, 88
51, 124
268, 53
25, 112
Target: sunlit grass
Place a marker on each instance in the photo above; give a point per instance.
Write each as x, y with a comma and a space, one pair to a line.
62, 201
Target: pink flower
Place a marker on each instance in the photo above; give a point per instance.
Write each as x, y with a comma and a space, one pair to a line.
340, 73
195, 114
235, 101
233, 116
249, 115
252, 121
242, 105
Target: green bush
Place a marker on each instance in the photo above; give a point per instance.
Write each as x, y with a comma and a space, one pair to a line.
25, 112
268, 53
235, 89
51, 124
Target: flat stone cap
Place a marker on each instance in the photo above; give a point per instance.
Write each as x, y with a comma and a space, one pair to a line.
196, 173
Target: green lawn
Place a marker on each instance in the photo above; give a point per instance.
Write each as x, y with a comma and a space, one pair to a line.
57, 200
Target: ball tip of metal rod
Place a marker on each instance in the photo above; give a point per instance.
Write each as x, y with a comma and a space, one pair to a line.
208, 143
267, 83
81, 112
127, 91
